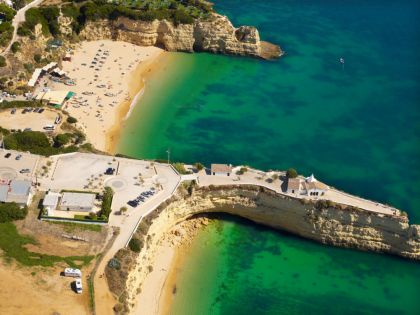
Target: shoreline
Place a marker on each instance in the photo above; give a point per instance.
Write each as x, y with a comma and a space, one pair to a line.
136, 88
157, 290
108, 75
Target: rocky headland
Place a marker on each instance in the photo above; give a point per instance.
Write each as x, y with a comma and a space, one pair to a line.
324, 222
215, 35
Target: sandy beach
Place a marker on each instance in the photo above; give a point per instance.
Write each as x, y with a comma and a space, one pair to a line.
157, 290
107, 75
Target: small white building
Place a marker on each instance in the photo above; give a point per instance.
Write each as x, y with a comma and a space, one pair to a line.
294, 186
312, 187
18, 191
221, 169
82, 202
50, 201
309, 187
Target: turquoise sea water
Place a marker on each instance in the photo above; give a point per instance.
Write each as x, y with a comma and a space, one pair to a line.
235, 267
356, 128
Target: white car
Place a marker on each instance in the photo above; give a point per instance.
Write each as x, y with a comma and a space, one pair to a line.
78, 286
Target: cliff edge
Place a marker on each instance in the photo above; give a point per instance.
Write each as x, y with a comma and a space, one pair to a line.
318, 221
215, 35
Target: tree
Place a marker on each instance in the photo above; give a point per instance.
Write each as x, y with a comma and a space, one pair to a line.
15, 47
62, 139
2, 61
291, 173
6, 12
11, 211
71, 120
123, 210
135, 245
198, 166
242, 171
107, 202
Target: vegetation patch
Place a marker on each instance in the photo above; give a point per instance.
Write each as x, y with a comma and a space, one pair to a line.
70, 227
35, 142
12, 211
12, 244
6, 27
107, 202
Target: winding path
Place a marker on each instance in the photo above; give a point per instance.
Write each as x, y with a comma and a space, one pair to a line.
19, 18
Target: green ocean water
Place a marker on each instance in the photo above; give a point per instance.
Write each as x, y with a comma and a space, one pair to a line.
235, 267
355, 127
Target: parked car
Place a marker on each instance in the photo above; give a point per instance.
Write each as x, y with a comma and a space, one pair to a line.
13, 111
18, 157
25, 171
110, 171
78, 286
40, 111
7, 155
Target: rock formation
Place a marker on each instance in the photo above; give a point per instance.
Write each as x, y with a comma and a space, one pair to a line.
334, 225
216, 35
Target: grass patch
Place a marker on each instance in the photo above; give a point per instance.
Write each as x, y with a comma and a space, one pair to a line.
71, 226
91, 293
12, 244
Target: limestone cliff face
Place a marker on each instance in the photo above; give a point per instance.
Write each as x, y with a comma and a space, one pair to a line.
346, 228
216, 35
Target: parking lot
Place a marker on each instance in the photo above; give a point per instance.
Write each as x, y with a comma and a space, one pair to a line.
129, 179
32, 120
17, 165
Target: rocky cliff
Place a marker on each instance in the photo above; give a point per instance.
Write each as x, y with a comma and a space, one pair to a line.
329, 225
216, 35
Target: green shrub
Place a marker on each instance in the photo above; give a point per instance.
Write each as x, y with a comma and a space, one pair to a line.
291, 173
180, 168
71, 120
107, 202
15, 47
62, 139
37, 58
6, 12
12, 211
242, 171
199, 166
135, 245
35, 142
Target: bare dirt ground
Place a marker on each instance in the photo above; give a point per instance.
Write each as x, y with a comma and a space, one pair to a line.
39, 291
35, 121
42, 290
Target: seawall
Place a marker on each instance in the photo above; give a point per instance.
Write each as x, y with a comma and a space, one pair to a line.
334, 225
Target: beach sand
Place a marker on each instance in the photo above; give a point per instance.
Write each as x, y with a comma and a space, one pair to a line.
105, 86
149, 300
157, 291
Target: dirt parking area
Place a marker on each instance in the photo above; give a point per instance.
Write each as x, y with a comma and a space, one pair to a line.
34, 121
39, 291
43, 290
13, 162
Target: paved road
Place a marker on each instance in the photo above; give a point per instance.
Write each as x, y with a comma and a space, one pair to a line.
19, 18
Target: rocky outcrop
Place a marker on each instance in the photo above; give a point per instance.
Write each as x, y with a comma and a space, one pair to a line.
334, 225
216, 35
